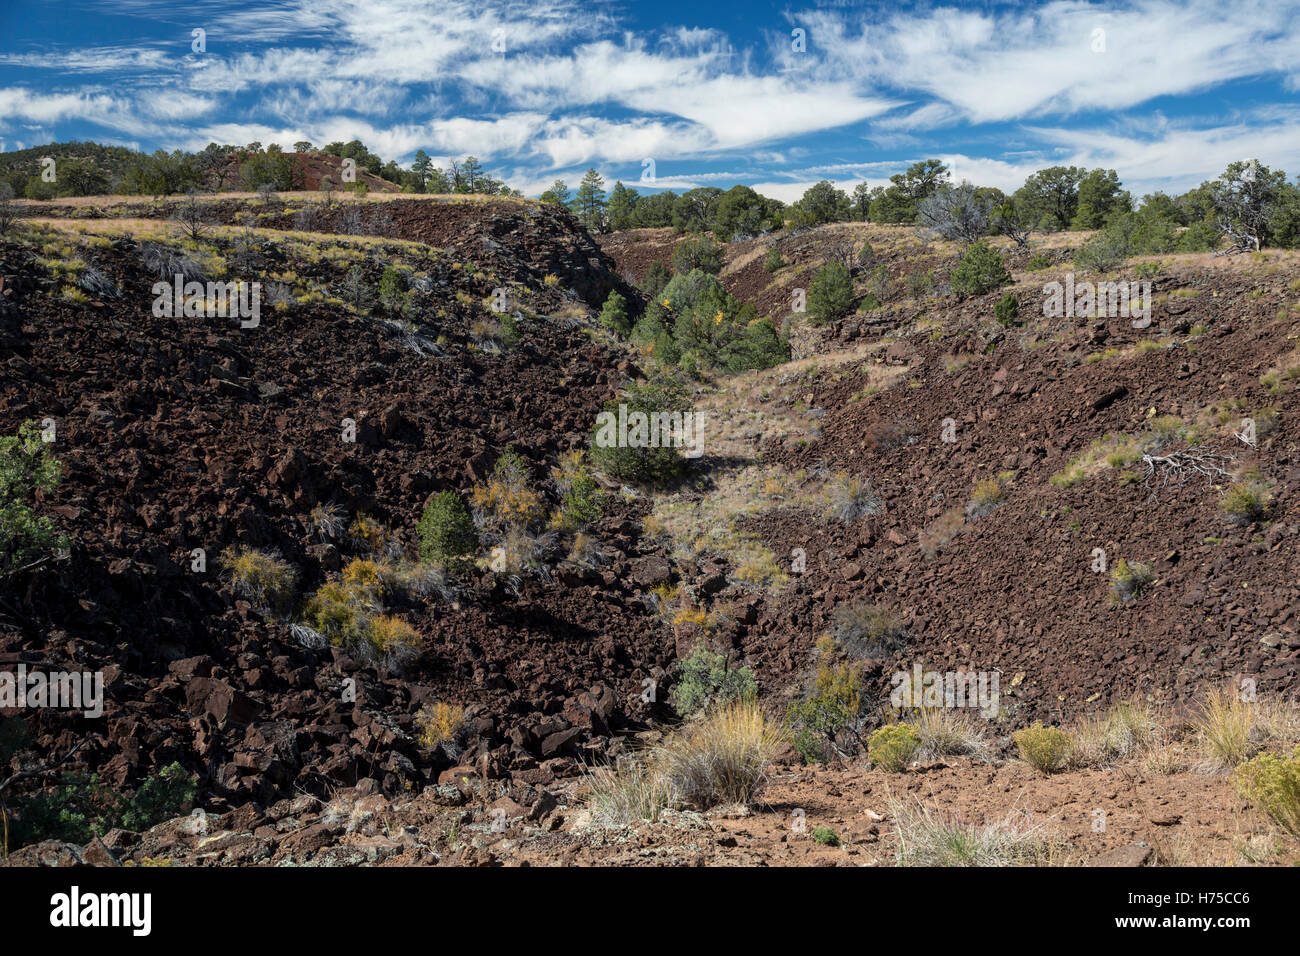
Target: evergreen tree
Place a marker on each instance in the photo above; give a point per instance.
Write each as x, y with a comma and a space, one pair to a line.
557, 195
622, 207
589, 201
421, 168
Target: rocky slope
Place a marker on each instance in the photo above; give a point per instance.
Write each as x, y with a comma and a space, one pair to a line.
184, 434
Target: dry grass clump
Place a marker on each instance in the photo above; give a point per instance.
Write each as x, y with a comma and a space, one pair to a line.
631, 791
721, 759
1130, 580
390, 642
327, 521
1247, 501
1123, 731
369, 535
848, 499
949, 732
939, 534
586, 551
929, 837
350, 612
263, 577
1225, 730
506, 499
1231, 730
984, 497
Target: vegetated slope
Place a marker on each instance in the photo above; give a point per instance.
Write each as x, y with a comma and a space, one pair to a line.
523, 241
112, 161
1053, 417
1001, 577
186, 433
896, 253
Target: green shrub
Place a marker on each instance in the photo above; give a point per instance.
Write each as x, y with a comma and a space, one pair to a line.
1130, 580
613, 315
158, 799
640, 464
1272, 781
580, 495
919, 283
869, 303
392, 290
831, 296
892, 747
697, 252
509, 329
757, 346
27, 467
447, 532
773, 261
1102, 253
980, 270
695, 324
79, 807
833, 707
1046, 749
1007, 309
656, 278
706, 678
1037, 262
1247, 501
826, 836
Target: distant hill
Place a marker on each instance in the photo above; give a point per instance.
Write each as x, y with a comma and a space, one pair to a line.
111, 162
87, 169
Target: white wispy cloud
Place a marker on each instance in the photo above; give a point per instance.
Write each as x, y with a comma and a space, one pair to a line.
1066, 56
545, 87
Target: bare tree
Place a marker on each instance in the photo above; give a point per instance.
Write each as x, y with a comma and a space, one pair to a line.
957, 212
304, 220
190, 217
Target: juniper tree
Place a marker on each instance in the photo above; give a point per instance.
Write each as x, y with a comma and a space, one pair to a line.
1244, 197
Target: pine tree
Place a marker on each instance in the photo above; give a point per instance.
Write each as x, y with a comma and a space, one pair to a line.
471, 171
557, 195
421, 167
621, 207
589, 201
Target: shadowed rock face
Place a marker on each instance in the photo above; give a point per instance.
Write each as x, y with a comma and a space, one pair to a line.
195, 433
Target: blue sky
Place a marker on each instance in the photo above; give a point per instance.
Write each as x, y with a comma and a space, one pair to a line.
1167, 92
